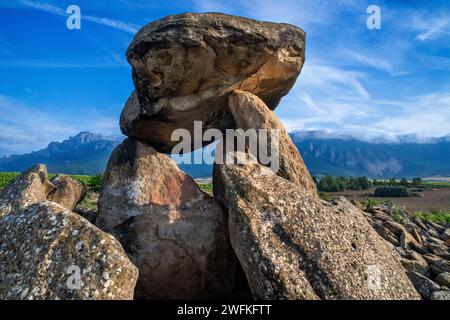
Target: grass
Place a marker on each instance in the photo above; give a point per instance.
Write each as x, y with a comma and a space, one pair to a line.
325, 196
441, 216
92, 182
89, 202
435, 184
6, 178
396, 215
206, 187
369, 203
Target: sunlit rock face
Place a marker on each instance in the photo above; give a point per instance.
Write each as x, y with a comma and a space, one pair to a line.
184, 67
175, 234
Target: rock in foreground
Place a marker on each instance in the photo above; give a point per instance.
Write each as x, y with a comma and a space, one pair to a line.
184, 67
250, 112
68, 192
30, 187
42, 247
292, 246
175, 234
420, 247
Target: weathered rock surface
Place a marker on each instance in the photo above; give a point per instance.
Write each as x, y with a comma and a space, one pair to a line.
443, 279
440, 295
424, 285
292, 246
250, 112
175, 234
30, 187
68, 192
420, 246
42, 245
184, 67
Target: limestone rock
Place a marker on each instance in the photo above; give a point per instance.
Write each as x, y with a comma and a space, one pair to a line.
394, 227
184, 67
440, 295
292, 246
250, 112
175, 234
68, 192
41, 248
32, 186
446, 235
424, 285
413, 265
443, 279
406, 239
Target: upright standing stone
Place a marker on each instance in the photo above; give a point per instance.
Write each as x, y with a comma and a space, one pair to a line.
68, 192
250, 112
292, 246
32, 186
176, 234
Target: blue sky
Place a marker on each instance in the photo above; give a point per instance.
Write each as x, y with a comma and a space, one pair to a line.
373, 84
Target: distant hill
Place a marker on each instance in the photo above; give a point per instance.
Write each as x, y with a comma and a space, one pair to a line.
348, 156
88, 153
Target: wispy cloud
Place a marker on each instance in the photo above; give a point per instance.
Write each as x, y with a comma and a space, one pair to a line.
371, 61
112, 23
434, 30
334, 81
299, 12
424, 115
107, 61
429, 26
24, 128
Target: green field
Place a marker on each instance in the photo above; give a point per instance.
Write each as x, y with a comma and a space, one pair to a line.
436, 184
6, 178
206, 187
93, 182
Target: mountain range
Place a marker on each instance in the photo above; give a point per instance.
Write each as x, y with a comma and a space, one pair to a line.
86, 153
324, 154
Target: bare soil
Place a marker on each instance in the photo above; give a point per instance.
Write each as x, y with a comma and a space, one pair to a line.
433, 199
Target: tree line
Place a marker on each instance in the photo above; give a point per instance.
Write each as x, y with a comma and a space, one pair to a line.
333, 184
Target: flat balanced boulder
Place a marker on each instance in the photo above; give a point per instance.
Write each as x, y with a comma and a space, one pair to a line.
184, 67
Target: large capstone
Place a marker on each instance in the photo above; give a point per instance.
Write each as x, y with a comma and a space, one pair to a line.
184, 67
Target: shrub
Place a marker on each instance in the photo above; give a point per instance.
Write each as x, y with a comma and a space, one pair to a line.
325, 196
363, 183
441, 216
397, 215
206, 187
328, 184
398, 191
6, 178
95, 182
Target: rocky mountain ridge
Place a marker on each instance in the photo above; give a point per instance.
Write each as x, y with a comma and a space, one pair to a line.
88, 153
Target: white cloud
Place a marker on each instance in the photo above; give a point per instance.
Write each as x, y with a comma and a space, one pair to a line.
429, 26
24, 128
369, 60
116, 24
299, 12
426, 115
434, 30
333, 81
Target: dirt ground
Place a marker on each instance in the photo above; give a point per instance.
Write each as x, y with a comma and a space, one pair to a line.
432, 199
